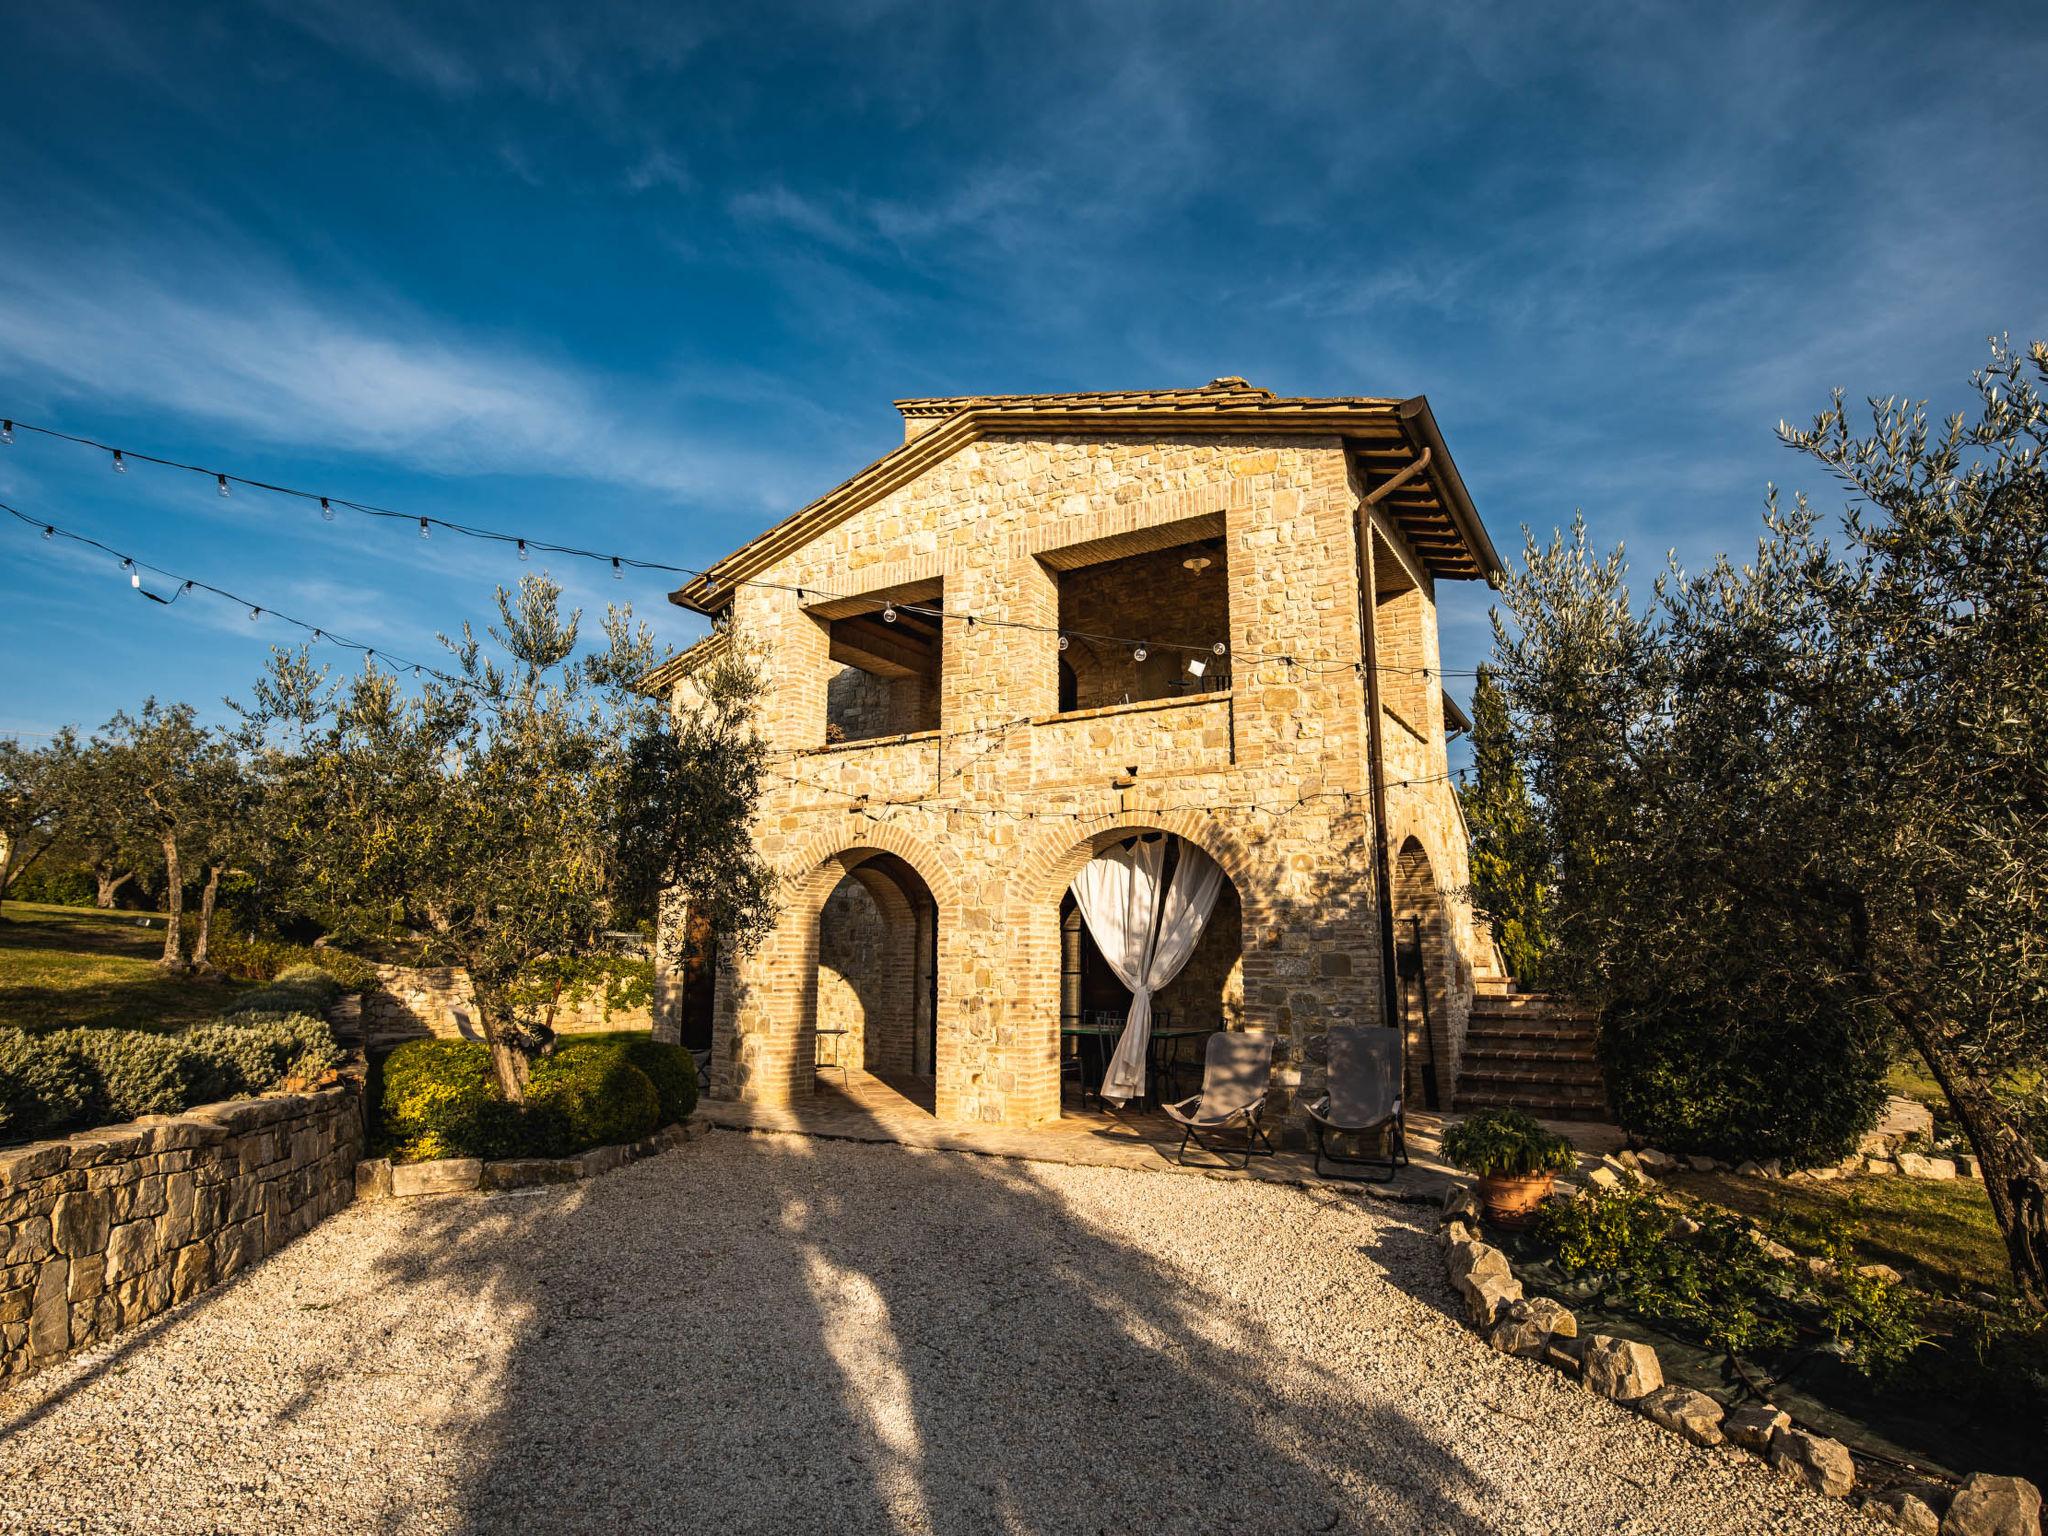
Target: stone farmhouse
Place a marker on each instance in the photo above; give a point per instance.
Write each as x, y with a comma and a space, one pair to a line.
1046, 625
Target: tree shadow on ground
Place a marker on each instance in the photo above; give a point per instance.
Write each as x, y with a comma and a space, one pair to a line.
765, 1333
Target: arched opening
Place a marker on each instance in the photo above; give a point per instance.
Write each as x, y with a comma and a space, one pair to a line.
1205, 993
1422, 956
698, 1009
876, 980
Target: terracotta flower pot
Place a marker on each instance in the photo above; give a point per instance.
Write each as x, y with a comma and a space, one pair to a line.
1511, 1199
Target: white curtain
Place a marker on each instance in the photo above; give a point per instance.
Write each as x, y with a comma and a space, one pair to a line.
1145, 940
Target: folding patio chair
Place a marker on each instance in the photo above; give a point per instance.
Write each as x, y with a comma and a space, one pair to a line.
1364, 1096
1235, 1070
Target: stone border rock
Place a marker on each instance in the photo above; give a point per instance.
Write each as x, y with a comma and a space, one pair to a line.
1629, 1372
378, 1178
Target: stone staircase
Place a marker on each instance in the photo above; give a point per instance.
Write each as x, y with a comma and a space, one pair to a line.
1532, 1051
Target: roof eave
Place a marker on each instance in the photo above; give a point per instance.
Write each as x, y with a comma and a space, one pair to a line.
1420, 420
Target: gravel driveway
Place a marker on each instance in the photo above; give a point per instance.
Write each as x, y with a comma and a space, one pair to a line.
766, 1333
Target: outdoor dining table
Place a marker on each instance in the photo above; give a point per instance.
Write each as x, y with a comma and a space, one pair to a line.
1159, 1049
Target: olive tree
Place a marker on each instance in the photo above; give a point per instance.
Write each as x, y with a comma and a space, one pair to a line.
510, 814
1793, 810
35, 794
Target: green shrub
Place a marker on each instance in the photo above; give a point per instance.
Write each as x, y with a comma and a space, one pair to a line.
436, 1098
672, 1070
588, 1094
1506, 1143
54, 1080
1736, 1075
258, 1052
296, 989
247, 958
137, 1073
45, 1085
1706, 1279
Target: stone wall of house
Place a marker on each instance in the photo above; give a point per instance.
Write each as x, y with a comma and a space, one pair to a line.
1003, 805
106, 1229
413, 1002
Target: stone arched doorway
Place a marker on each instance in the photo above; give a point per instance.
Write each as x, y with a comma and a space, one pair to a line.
875, 1007
1205, 995
1423, 962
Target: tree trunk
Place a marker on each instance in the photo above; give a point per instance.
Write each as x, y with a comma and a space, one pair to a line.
109, 888
206, 897
174, 907
508, 1063
2015, 1177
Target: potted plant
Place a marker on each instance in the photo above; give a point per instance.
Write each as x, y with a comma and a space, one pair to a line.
1516, 1159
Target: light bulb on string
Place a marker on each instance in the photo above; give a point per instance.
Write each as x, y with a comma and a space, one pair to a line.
317, 637
522, 549
120, 464
617, 573
49, 532
134, 576
6, 431
326, 510
423, 528
888, 613
1140, 654
255, 614
222, 482
1219, 647
1063, 642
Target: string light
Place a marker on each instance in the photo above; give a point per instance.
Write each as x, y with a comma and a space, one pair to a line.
1140, 653
1063, 642
617, 574
186, 584
888, 613
6, 431
712, 586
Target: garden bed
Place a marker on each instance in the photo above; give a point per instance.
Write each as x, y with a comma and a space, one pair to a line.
1904, 1377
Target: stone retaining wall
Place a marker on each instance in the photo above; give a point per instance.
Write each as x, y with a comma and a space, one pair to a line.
106, 1229
411, 1002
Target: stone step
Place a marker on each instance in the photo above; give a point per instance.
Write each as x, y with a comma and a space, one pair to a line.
1531, 1031
1532, 1002
1545, 1103
1481, 1055
1565, 1078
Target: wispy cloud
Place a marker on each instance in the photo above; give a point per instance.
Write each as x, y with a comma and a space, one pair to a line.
225, 334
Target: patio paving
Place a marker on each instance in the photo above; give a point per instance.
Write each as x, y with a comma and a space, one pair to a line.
775, 1333
859, 1106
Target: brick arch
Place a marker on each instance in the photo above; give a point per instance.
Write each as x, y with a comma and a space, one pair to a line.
1051, 864
1418, 892
827, 856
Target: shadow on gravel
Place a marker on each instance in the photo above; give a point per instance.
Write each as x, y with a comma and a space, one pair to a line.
751, 1334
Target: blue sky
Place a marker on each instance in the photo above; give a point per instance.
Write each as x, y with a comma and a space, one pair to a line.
630, 276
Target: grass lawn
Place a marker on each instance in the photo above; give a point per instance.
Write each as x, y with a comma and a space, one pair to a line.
65, 966
1943, 1229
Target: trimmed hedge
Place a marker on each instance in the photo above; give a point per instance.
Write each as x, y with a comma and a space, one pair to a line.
438, 1098
71, 1079
672, 1070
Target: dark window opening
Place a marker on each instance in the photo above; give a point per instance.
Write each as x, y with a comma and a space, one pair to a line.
1172, 604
